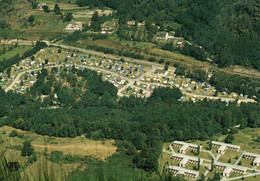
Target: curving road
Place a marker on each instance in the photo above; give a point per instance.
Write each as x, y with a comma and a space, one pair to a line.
23, 42
130, 81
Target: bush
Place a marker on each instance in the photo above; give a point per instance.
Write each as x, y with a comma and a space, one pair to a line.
161, 61
152, 59
14, 133
176, 64
168, 63
31, 19
56, 156
233, 130
229, 138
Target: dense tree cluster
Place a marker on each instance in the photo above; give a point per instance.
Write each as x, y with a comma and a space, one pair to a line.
117, 52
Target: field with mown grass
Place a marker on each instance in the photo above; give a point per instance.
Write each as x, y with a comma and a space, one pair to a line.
44, 144
17, 50
77, 146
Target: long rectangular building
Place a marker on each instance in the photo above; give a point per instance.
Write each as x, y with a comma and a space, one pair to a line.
184, 147
185, 159
254, 157
222, 147
228, 168
179, 170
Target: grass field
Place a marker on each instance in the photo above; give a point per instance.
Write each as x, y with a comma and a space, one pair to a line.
77, 146
246, 139
73, 146
229, 155
18, 50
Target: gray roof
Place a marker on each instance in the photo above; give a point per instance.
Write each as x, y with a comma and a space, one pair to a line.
160, 71
231, 166
186, 157
184, 143
182, 170
225, 144
251, 154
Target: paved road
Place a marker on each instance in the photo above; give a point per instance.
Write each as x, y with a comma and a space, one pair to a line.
239, 158
131, 81
20, 74
240, 177
23, 42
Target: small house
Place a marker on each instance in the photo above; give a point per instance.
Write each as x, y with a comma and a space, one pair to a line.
160, 72
130, 23
41, 5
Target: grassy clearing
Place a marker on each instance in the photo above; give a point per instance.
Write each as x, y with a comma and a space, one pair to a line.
229, 155
246, 139
254, 178
77, 146
18, 50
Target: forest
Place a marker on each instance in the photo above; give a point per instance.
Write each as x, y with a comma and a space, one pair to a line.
88, 106
227, 30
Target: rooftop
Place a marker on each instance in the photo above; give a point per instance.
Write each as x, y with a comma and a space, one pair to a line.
252, 154
183, 170
231, 166
225, 144
160, 71
186, 156
184, 143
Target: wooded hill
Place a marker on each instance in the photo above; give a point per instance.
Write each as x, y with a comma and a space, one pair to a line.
227, 30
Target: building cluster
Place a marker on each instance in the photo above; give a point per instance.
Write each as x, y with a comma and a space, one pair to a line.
222, 147
123, 68
74, 26
115, 80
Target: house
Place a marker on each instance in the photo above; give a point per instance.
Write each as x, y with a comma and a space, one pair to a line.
228, 168
185, 147
179, 43
106, 30
182, 171
162, 35
141, 23
32, 80
254, 157
41, 5
160, 72
222, 147
185, 159
130, 23
74, 26
256, 161
227, 172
